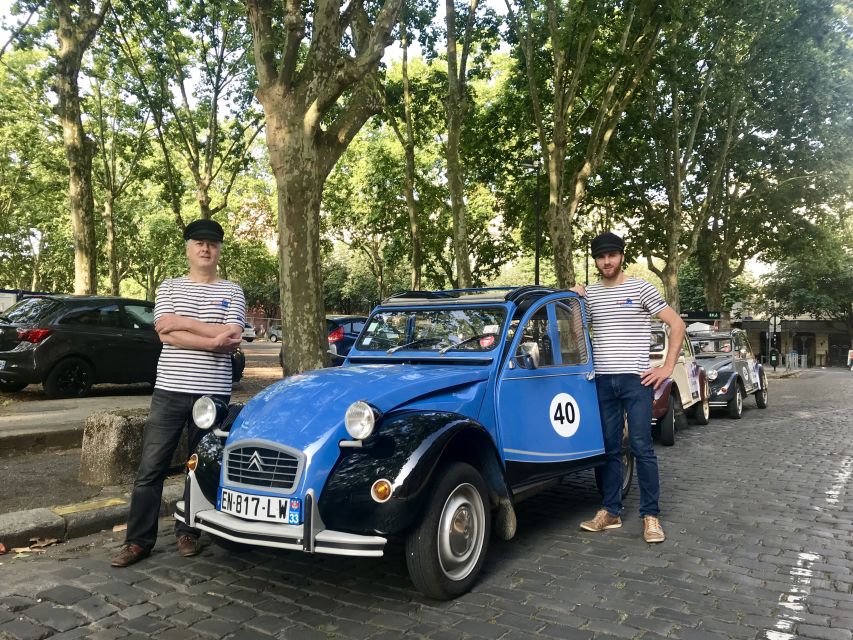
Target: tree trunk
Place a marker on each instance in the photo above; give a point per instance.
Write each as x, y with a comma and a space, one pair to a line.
456, 108
303, 327
409, 186
669, 277
112, 258
75, 35
78, 152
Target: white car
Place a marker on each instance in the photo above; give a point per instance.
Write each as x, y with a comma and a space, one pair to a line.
248, 332
275, 332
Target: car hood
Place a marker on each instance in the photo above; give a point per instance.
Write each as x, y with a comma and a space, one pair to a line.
305, 410
719, 363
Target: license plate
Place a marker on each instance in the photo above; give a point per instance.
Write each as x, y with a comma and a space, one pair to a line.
263, 508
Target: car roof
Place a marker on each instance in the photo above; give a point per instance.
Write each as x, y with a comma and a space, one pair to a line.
478, 295
88, 298
708, 335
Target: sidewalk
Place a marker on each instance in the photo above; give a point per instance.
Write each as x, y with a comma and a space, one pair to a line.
30, 426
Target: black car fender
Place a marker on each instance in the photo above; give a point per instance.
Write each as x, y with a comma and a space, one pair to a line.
407, 449
732, 378
209, 451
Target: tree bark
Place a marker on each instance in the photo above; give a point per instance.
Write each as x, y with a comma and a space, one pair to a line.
307, 130
457, 107
409, 187
112, 258
75, 34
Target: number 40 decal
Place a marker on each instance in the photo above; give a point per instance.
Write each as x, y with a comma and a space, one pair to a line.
565, 415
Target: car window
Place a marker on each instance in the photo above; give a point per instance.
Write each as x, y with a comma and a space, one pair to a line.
472, 329
29, 310
140, 316
107, 316
536, 341
570, 329
357, 326
657, 342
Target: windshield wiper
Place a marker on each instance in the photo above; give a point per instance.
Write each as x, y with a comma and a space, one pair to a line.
479, 336
413, 343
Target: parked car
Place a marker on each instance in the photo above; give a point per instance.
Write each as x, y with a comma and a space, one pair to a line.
248, 332
343, 332
275, 332
733, 370
449, 409
69, 343
686, 394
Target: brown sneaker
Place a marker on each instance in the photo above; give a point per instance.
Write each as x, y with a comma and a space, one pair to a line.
652, 531
602, 520
188, 546
131, 554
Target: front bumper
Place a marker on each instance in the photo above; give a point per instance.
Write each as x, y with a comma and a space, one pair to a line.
311, 536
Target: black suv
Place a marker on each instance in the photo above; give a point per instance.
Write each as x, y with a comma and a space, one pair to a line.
69, 343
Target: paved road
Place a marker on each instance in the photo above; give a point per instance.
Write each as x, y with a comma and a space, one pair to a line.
758, 514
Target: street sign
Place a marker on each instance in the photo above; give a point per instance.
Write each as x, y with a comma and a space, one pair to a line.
701, 315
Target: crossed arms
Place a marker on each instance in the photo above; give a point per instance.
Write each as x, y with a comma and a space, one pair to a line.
187, 333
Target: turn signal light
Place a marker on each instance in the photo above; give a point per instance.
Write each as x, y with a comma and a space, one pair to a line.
192, 463
381, 490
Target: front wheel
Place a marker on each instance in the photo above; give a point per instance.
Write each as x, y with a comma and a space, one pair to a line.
761, 394
735, 405
273, 338
445, 551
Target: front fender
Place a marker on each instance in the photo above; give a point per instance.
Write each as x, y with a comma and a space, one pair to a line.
406, 450
209, 451
729, 381
661, 400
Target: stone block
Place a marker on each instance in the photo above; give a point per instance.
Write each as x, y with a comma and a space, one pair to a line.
112, 447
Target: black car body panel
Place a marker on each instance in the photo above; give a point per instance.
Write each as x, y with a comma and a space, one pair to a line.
728, 359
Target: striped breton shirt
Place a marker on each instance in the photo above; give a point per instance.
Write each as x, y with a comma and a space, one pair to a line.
621, 324
193, 370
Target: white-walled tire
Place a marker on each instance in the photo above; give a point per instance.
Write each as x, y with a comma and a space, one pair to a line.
446, 549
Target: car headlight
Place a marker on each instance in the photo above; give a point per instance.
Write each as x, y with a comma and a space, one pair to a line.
359, 420
712, 375
205, 412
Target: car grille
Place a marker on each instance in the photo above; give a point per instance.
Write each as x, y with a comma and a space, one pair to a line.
262, 467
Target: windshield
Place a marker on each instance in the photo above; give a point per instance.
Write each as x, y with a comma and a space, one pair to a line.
471, 329
712, 345
29, 310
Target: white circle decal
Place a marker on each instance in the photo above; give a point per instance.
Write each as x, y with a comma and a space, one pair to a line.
565, 415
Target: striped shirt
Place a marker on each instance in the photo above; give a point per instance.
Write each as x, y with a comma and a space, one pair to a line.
193, 370
621, 324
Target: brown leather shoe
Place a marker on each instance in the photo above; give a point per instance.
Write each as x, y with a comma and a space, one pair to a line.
131, 554
188, 546
601, 522
652, 531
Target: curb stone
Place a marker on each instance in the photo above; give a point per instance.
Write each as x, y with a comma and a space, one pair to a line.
72, 521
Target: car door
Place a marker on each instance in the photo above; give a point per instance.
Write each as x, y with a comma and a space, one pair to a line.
94, 332
546, 402
141, 343
742, 356
691, 393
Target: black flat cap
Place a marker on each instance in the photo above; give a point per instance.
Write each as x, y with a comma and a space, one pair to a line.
204, 230
607, 241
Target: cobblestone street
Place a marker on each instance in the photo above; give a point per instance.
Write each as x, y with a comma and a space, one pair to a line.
759, 545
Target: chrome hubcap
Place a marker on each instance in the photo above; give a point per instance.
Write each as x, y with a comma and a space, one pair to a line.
461, 530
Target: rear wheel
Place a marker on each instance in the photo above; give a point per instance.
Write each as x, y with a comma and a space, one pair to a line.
666, 424
702, 410
735, 405
70, 378
445, 551
11, 386
761, 394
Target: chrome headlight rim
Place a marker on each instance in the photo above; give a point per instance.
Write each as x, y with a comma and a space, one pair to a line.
207, 412
360, 419
712, 375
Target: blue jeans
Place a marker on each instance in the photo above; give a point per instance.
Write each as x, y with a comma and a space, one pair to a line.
620, 394
170, 412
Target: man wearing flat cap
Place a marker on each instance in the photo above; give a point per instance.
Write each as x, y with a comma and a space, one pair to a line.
199, 318
620, 311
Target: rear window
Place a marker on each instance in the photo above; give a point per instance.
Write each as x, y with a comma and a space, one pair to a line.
30, 310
